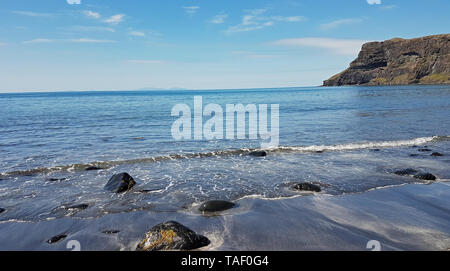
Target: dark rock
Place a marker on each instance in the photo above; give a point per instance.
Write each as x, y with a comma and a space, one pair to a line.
404, 172
216, 206
424, 60
78, 207
414, 155
2, 210
172, 236
56, 239
258, 153
376, 150
306, 187
437, 154
424, 150
425, 176
110, 231
120, 183
93, 168
56, 180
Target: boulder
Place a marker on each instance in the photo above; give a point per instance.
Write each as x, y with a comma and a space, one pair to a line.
425, 176
258, 153
216, 206
171, 236
2, 210
56, 239
437, 154
306, 187
120, 183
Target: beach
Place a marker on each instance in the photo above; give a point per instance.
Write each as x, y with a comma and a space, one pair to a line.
376, 160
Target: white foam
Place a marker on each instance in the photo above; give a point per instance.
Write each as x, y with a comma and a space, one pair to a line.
362, 145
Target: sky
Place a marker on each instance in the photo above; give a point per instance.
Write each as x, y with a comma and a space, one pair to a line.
75, 45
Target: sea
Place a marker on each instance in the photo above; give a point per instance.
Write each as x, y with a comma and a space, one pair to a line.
348, 140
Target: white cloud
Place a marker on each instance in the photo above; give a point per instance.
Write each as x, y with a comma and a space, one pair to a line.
115, 19
31, 13
254, 20
92, 14
191, 9
374, 2
137, 34
336, 46
81, 40
74, 2
38, 41
337, 23
219, 19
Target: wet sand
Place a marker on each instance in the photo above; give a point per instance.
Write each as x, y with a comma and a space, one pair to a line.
407, 217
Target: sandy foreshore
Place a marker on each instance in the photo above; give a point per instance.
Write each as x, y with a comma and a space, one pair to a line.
407, 217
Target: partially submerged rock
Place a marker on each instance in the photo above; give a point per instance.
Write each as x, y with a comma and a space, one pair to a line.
56, 239
437, 154
93, 168
171, 236
120, 183
216, 206
306, 187
258, 153
53, 180
425, 176
78, 207
404, 172
424, 150
2, 210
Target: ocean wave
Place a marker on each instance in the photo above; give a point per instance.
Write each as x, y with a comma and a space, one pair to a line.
243, 151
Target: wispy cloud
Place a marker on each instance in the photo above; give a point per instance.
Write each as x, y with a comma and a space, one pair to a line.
93, 29
374, 2
191, 10
40, 40
336, 46
86, 40
80, 40
219, 19
137, 33
147, 61
115, 19
74, 2
388, 7
31, 13
337, 23
92, 14
2, 44
255, 20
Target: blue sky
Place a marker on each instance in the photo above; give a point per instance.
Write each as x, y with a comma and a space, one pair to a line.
61, 45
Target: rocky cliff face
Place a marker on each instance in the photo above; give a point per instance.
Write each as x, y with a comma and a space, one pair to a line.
397, 61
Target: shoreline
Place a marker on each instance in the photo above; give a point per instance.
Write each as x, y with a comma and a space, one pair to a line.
406, 217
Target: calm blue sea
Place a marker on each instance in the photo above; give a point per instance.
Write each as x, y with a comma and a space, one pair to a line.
348, 139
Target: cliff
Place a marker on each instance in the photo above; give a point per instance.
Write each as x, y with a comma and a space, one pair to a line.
397, 61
